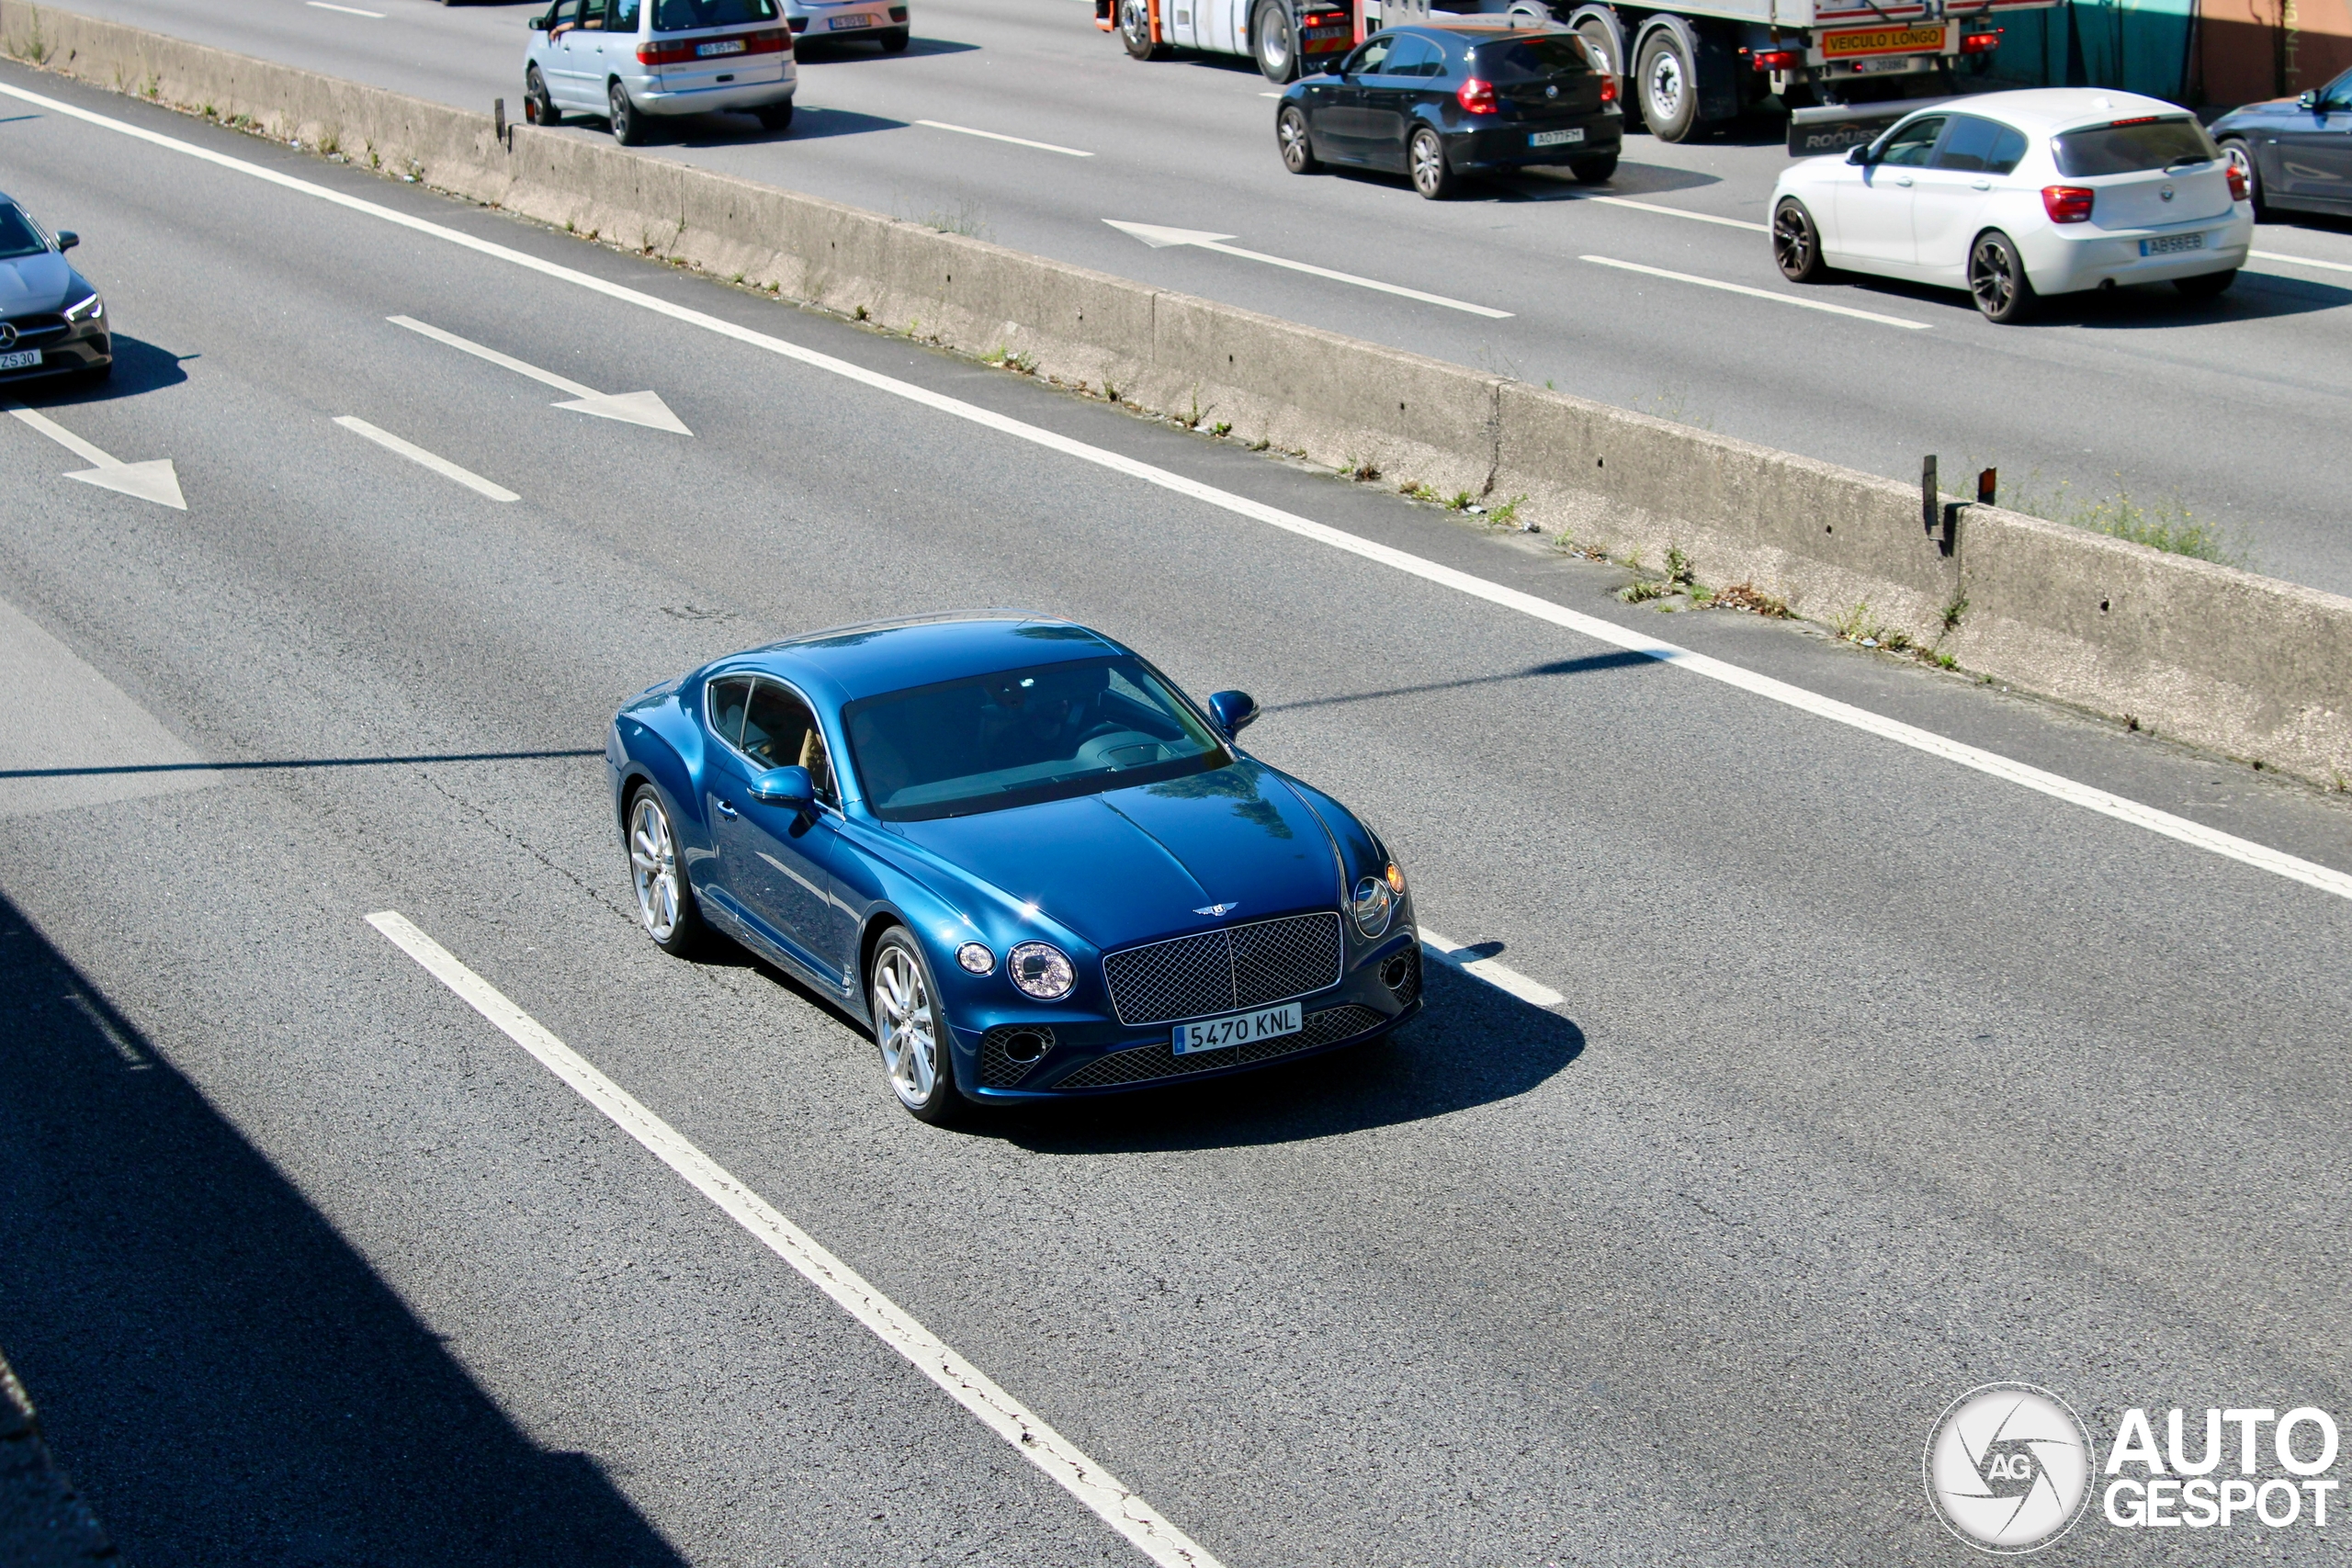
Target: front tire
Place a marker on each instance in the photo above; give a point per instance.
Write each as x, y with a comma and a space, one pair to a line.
1594, 171
911, 1031
1425, 156
1134, 30
665, 897
628, 126
540, 101
1996, 279
1274, 38
1669, 87
1297, 148
1796, 242
2207, 285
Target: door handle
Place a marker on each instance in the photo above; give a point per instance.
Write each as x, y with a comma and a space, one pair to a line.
726, 811
1902, 179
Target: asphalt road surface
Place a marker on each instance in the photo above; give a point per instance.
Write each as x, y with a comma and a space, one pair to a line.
2230, 411
1876, 1077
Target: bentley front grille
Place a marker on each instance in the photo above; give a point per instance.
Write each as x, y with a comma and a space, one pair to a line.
1225, 971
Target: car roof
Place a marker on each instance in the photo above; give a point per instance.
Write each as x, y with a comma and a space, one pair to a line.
2048, 110
844, 663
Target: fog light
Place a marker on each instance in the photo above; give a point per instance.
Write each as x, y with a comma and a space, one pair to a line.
975, 958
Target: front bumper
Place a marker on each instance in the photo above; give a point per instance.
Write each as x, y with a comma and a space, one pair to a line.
1092, 1054
2060, 261
65, 347
1508, 147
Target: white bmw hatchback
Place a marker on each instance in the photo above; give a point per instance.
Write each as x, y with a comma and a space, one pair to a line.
2013, 196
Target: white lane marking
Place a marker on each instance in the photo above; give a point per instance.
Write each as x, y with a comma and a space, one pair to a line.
346, 10
1110, 1498
2103, 803
154, 479
1487, 969
629, 408
1679, 213
2298, 261
1270, 94
423, 458
998, 136
1161, 239
1760, 293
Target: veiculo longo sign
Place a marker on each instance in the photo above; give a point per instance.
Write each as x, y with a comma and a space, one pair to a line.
2011, 1468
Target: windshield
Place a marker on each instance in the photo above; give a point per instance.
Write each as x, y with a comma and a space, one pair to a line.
682, 15
17, 235
2133, 149
1531, 60
986, 742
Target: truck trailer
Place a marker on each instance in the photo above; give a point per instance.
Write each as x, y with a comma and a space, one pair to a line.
1680, 71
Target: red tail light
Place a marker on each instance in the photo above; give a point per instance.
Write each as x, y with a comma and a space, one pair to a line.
1478, 97
1608, 88
1776, 59
1980, 43
2068, 204
767, 40
2237, 181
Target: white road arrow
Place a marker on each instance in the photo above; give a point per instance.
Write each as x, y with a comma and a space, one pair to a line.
629, 408
1161, 239
154, 481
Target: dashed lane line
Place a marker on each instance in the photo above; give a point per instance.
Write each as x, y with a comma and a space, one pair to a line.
1500, 976
2087, 797
424, 459
1111, 1499
1678, 212
2299, 261
346, 10
1000, 136
1760, 293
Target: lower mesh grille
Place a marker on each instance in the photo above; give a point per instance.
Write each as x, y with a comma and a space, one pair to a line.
998, 1069
1159, 1060
1410, 984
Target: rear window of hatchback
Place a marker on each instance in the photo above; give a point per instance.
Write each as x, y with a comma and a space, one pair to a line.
2132, 147
1531, 58
685, 16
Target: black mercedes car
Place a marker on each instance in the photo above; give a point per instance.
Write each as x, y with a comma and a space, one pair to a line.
1436, 103
2296, 152
52, 320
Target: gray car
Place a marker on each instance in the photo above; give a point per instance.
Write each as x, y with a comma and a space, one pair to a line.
52, 321
630, 60
2295, 152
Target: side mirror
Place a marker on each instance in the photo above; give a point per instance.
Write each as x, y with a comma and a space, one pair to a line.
538, 24
789, 787
2308, 100
67, 239
1234, 711
1859, 154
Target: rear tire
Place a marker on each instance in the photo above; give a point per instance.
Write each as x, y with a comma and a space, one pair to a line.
1274, 38
895, 42
1134, 30
1796, 242
1594, 171
1668, 87
1425, 156
776, 117
539, 101
628, 126
1997, 281
665, 897
2207, 285
911, 1031
1297, 148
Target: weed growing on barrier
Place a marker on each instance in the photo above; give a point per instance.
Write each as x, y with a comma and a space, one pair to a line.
1222, 427
1745, 596
34, 49
2165, 522
1023, 363
1507, 514
1362, 470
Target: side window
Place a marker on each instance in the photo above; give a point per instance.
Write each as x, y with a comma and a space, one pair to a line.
2008, 152
564, 17
1909, 145
780, 732
1372, 57
1967, 145
592, 15
624, 17
1412, 57
726, 700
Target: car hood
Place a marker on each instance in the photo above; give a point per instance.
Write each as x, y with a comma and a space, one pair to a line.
35, 283
1130, 865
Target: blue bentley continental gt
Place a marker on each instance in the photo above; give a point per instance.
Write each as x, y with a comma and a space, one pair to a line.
1017, 852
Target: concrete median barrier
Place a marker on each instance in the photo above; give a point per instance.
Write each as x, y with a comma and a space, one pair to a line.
2240, 664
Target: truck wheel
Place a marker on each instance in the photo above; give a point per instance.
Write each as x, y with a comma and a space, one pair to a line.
1134, 30
1274, 40
1796, 242
1603, 39
1996, 278
1669, 87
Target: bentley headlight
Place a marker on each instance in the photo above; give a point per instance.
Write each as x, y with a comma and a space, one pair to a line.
1041, 970
90, 310
975, 958
1374, 904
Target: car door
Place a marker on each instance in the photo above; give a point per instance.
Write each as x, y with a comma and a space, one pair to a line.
2314, 148
1344, 124
560, 71
1390, 94
1952, 192
584, 55
1874, 211
777, 863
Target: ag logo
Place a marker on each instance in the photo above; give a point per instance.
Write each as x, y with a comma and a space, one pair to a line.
2008, 1467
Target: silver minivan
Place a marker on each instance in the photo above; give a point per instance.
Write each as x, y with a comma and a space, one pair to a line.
626, 60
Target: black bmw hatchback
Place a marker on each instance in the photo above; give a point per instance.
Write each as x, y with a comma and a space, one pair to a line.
1438, 103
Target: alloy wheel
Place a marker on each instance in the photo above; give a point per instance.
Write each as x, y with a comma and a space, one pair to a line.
653, 866
1429, 164
1290, 130
1793, 243
906, 1026
1990, 279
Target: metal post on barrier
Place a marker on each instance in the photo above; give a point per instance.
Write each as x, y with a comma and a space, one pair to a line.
1988, 483
498, 121
1932, 511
